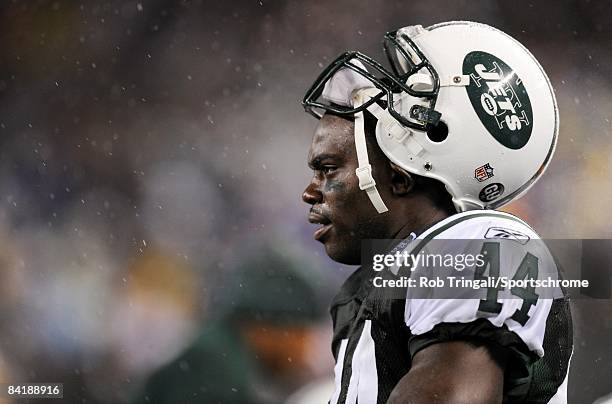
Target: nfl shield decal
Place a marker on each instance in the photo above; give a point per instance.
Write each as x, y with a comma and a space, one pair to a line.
499, 99
483, 172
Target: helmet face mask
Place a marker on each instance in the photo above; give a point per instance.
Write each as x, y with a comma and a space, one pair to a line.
389, 83
406, 59
489, 94
316, 104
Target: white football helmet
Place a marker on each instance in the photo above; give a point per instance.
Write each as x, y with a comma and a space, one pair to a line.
464, 103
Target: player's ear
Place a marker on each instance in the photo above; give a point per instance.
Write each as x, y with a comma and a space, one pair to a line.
402, 182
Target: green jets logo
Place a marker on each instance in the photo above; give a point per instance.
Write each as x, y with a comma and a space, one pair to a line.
499, 98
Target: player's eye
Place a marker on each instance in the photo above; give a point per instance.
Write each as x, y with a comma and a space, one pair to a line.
328, 169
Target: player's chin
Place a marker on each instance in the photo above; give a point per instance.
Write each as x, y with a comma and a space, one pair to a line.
341, 252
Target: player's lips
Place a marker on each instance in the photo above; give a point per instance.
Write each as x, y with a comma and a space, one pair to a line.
322, 220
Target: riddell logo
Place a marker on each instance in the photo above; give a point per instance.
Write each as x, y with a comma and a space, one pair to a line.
499, 98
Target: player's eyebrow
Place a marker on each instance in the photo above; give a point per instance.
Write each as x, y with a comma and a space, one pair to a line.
316, 161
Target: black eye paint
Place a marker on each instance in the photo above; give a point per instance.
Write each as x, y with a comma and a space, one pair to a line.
334, 186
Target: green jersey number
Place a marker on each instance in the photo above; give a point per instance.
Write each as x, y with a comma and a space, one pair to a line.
528, 269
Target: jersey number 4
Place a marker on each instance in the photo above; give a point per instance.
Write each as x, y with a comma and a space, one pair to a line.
527, 270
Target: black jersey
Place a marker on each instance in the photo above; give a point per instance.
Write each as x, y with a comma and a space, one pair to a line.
375, 338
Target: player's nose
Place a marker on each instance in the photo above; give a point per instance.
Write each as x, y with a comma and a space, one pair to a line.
312, 195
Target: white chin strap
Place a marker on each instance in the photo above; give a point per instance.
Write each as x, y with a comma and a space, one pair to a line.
364, 171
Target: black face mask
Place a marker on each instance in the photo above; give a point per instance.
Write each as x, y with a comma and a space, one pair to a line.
387, 82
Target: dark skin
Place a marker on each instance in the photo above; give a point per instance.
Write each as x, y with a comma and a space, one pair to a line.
450, 372
334, 194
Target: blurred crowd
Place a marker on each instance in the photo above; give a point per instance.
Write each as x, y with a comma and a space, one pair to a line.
153, 245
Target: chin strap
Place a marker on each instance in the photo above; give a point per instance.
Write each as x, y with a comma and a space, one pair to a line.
398, 133
364, 171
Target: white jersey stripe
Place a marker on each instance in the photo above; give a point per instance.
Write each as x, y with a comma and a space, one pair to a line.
560, 396
364, 377
368, 374
338, 371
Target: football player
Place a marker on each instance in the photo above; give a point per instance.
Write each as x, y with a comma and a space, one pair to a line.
463, 122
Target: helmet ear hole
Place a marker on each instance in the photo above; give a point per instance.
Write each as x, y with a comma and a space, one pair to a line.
437, 133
